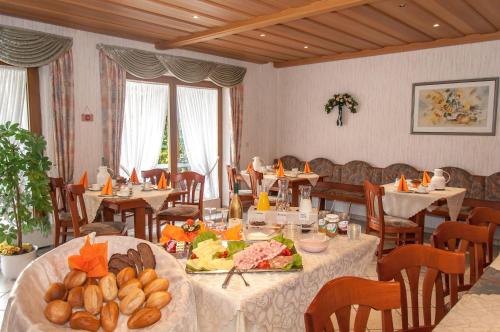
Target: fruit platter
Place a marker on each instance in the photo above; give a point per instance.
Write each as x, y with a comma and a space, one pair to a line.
209, 254
104, 284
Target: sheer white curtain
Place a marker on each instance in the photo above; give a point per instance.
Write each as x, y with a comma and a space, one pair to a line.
145, 113
13, 101
198, 118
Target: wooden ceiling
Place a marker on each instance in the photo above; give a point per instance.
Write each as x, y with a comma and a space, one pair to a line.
285, 32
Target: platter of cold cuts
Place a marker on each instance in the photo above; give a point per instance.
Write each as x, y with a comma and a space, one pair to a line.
211, 255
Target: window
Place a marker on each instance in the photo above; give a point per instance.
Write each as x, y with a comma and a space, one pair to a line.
173, 125
19, 97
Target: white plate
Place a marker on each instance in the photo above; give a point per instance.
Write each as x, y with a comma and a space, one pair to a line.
92, 189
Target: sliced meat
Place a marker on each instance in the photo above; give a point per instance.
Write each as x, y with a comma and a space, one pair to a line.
280, 262
254, 254
136, 258
147, 256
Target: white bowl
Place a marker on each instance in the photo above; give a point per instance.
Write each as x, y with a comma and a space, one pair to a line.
316, 242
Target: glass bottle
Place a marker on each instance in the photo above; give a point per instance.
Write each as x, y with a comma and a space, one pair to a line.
282, 203
235, 207
263, 204
305, 204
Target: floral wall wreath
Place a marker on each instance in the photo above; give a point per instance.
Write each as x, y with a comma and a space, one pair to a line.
341, 100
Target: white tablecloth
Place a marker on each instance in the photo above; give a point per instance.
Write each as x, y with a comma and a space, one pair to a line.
25, 307
270, 179
155, 199
474, 312
277, 301
406, 205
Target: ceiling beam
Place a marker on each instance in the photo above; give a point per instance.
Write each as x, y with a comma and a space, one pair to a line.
474, 38
286, 15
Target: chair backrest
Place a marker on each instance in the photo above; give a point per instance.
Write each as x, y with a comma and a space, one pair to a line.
484, 216
374, 207
192, 183
338, 295
411, 258
458, 237
231, 177
57, 195
154, 175
255, 181
76, 204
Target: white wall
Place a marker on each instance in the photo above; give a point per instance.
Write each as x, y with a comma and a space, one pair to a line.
379, 132
260, 84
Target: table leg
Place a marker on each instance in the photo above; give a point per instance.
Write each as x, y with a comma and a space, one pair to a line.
139, 223
295, 194
419, 218
108, 214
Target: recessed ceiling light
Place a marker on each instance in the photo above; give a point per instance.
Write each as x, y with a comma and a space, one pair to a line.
195, 16
262, 34
436, 25
402, 5
306, 46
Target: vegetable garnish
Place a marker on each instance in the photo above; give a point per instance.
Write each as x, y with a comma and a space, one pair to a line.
234, 246
204, 236
296, 263
281, 239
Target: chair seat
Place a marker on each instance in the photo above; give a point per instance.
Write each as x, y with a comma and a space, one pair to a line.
104, 228
179, 210
391, 221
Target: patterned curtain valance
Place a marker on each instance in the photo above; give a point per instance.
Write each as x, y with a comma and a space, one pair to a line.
29, 48
150, 65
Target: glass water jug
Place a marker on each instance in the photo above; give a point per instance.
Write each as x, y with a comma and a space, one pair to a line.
263, 203
282, 203
305, 204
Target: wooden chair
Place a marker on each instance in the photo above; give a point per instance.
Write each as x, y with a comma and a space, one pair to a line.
81, 225
63, 225
388, 228
339, 294
246, 196
411, 258
484, 216
464, 238
189, 206
153, 176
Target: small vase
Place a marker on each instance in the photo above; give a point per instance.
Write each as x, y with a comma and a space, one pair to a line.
12, 266
339, 119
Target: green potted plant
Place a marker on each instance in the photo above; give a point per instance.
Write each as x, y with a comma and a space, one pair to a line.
24, 195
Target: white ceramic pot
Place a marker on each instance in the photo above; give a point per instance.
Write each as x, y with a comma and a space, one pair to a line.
12, 266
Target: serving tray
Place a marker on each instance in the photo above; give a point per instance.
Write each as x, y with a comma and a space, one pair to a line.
224, 243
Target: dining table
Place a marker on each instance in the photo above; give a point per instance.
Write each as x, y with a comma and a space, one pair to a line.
294, 181
413, 205
477, 310
276, 301
136, 202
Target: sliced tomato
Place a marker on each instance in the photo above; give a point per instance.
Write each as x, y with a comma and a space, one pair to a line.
286, 252
222, 254
264, 265
193, 256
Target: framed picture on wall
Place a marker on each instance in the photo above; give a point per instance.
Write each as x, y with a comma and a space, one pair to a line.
463, 107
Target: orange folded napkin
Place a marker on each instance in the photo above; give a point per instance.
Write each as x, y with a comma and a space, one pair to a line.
281, 171
93, 259
249, 167
162, 184
307, 169
84, 180
403, 186
133, 177
108, 187
426, 179
170, 232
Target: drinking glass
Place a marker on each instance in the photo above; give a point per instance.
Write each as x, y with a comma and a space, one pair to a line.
292, 231
353, 231
208, 217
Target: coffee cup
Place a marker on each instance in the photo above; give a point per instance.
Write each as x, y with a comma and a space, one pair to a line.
147, 185
95, 186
